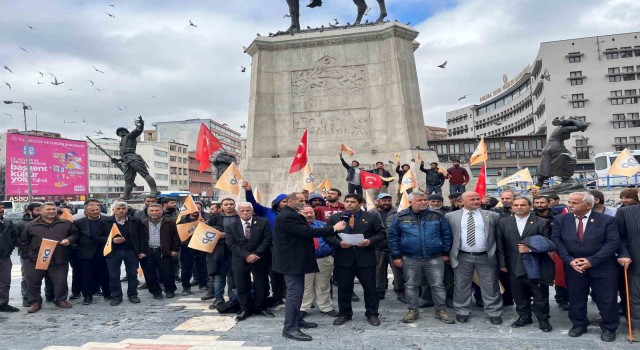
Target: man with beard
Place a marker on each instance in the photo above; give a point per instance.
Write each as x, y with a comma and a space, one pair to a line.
219, 261
383, 173
169, 209
599, 206
629, 197
353, 176
8, 241
332, 206
386, 212
434, 178
506, 198
458, 177
31, 212
192, 258
435, 203
316, 200
142, 214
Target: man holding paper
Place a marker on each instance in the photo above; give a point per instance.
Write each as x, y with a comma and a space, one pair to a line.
54, 261
355, 256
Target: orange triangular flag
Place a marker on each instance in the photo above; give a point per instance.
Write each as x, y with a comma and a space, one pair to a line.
229, 180
345, 148
480, 154
404, 202
625, 165
47, 247
188, 207
114, 233
308, 179
205, 238
408, 181
186, 230
325, 186
66, 214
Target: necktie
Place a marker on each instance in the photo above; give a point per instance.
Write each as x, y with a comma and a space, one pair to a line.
471, 230
580, 228
352, 221
247, 230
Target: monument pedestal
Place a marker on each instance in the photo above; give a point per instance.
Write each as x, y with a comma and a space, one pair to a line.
356, 86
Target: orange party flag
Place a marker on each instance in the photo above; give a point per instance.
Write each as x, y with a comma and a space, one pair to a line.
186, 230
229, 180
205, 238
114, 233
66, 214
345, 148
47, 247
480, 154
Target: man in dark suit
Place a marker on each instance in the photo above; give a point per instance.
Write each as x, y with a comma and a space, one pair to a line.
511, 236
587, 241
294, 256
628, 219
356, 261
249, 240
93, 231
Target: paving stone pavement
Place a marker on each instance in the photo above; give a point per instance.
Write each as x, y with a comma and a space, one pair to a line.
188, 324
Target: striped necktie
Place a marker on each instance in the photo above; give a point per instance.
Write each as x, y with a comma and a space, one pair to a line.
471, 230
247, 230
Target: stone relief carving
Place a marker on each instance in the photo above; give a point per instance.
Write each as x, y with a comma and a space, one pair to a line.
334, 125
328, 79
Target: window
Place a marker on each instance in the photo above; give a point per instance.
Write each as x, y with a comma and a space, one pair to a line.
581, 118
577, 97
578, 104
627, 69
620, 140
633, 120
469, 148
615, 70
574, 57
441, 149
161, 165
161, 177
626, 52
454, 148
615, 78
636, 50
577, 73
611, 54
618, 121
510, 146
616, 101
582, 142
159, 153
576, 81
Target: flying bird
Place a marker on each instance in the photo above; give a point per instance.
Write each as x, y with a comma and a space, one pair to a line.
308, 27
23, 49
39, 83
244, 48
286, 15
7, 84
84, 121
336, 20
110, 15
41, 74
98, 90
97, 70
192, 25
463, 97
122, 108
56, 83
30, 27
243, 69
92, 83
408, 23
7, 68
99, 132
153, 96
112, 5
243, 126
10, 116
443, 65
257, 34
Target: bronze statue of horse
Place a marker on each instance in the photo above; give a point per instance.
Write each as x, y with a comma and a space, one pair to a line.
294, 11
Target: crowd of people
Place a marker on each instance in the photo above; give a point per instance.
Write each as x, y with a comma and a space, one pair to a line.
494, 252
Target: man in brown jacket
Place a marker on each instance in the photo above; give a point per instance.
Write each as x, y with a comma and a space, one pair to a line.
47, 226
160, 242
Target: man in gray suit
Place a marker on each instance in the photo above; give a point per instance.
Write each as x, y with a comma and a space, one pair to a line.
474, 250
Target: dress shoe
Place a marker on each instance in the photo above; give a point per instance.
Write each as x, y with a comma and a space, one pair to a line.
373, 320
332, 313
608, 336
495, 320
521, 322
340, 320
186, 291
242, 316
35, 307
74, 296
170, 294
208, 296
545, 326
577, 331
64, 304
158, 296
297, 335
354, 297
8, 308
134, 299
87, 300
305, 324
266, 313
462, 318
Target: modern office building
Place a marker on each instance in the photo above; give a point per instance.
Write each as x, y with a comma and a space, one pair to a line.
186, 132
595, 79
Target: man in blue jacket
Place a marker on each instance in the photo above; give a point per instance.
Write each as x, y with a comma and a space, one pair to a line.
419, 241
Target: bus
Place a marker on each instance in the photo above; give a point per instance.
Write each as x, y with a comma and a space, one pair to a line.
603, 162
180, 196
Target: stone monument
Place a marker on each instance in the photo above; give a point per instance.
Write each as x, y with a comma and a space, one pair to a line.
356, 86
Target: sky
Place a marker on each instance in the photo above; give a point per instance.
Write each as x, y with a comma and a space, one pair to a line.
149, 61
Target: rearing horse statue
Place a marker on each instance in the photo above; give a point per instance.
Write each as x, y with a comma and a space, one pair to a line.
294, 11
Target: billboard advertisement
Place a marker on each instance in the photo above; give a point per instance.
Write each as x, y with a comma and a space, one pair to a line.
58, 166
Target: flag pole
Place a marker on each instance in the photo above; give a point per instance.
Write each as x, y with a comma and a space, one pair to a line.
626, 285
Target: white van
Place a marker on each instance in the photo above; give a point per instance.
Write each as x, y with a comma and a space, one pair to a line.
603, 162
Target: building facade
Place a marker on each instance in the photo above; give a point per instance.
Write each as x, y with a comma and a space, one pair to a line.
186, 132
200, 183
595, 79
435, 133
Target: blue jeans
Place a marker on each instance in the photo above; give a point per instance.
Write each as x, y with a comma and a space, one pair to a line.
293, 302
114, 261
433, 269
220, 280
457, 189
431, 189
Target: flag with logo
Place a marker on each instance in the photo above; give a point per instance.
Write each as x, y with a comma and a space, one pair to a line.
370, 180
188, 207
370, 203
325, 186
521, 176
115, 232
229, 180
345, 148
408, 181
45, 254
404, 202
300, 159
625, 165
481, 185
186, 230
308, 179
205, 238
66, 215
480, 154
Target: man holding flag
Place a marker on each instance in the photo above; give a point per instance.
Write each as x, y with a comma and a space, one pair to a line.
47, 227
353, 175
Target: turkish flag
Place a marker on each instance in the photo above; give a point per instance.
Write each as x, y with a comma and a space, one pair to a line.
481, 185
369, 180
206, 146
300, 159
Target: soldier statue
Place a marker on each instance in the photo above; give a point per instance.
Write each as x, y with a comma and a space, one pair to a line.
556, 159
132, 163
222, 162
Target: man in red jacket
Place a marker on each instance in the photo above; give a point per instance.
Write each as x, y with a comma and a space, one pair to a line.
458, 178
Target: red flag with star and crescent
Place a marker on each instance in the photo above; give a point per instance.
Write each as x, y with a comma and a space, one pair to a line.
206, 146
369, 180
481, 185
300, 159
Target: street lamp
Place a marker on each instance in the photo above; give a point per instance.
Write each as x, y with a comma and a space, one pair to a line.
27, 152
